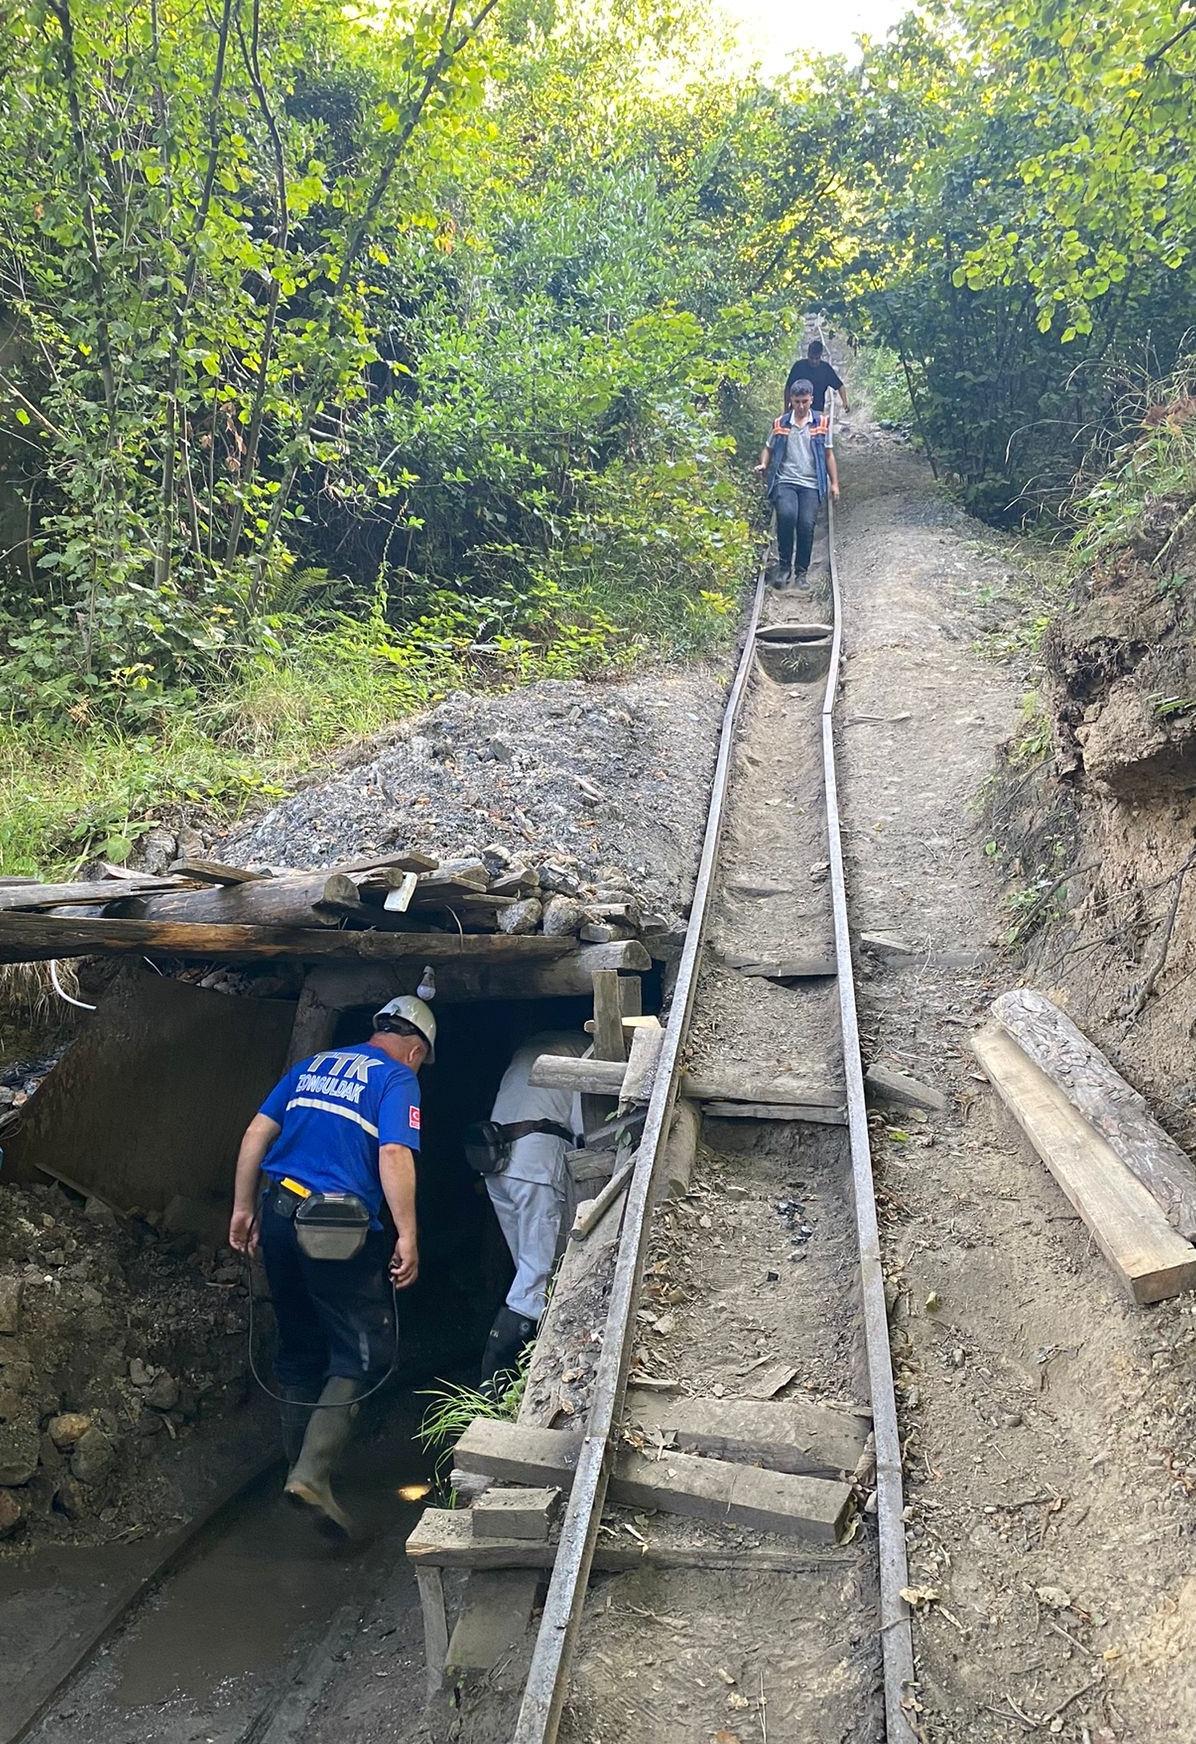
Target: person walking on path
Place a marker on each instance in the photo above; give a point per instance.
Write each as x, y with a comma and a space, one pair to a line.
821, 374
335, 1141
799, 469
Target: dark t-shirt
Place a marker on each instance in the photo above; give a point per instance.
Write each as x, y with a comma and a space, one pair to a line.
820, 375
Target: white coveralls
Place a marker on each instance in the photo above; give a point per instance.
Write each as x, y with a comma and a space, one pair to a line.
529, 1194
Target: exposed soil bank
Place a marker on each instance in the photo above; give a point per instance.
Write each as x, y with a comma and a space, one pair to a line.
1044, 1418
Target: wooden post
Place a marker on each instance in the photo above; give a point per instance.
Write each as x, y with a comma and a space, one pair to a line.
431, 1597
314, 1025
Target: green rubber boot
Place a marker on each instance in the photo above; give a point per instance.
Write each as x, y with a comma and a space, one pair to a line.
294, 1414
309, 1482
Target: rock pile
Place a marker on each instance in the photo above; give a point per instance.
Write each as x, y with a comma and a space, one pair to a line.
111, 1336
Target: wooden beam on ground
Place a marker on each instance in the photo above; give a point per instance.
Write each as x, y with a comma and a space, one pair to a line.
799, 1436
1049, 1038
713, 1086
890, 1085
785, 968
676, 1483
793, 632
444, 1538
31, 938
1147, 1255
809, 1111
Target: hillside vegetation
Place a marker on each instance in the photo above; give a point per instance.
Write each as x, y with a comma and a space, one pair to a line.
351, 354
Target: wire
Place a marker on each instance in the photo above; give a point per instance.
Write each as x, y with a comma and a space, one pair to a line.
312, 1404
62, 992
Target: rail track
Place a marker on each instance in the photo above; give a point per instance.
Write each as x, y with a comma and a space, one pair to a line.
564, 1616
792, 687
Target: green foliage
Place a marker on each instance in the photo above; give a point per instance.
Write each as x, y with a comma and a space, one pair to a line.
453, 1408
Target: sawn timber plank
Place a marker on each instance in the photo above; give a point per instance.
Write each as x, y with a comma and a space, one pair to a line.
676, 1483
1150, 1259
794, 1436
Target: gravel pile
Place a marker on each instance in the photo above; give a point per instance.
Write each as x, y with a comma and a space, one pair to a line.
611, 780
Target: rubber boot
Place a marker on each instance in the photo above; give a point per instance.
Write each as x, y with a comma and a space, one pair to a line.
309, 1482
294, 1413
508, 1338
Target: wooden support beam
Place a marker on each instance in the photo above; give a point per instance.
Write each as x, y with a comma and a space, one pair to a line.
286, 900
794, 1436
409, 861
591, 1213
813, 1112
444, 1538
18, 897
568, 976
31, 938
314, 1025
213, 872
681, 1148
728, 1087
646, 1043
1146, 1254
785, 968
1049, 1038
676, 1483
589, 1077
430, 1582
498, 1609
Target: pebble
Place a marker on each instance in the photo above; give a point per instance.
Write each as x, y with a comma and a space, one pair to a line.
11, 1513
93, 1458
139, 1372
67, 1428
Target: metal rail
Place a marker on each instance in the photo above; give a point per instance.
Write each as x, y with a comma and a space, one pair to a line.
548, 1676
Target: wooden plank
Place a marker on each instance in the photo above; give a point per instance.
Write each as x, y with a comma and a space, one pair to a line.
215, 872
430, 1582
1151, 1260
785, 968
314, 1025
591, 1212
498, 1609
398, 899
409, 861
1048, 1037
676, 1483
31, 938
443, 1538
799, 1436
35, 895
590, 1077
608, 1017
516, 1513
704, 1087
569, 974
776, 1111
794, 632
890, 1084
646, 1043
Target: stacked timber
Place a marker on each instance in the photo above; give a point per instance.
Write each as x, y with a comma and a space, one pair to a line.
376, 908
1132, 1185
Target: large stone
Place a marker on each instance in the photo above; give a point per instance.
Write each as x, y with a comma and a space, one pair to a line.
162, 1392
154, 852
11, 1513
19, 1447
93, 1458
10, 1304
521, 917
67, 1428
562, 915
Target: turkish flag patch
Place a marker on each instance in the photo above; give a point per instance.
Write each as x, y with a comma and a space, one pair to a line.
413, 1118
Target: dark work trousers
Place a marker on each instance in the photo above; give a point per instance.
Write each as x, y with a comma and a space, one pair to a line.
335, 1317
796, 507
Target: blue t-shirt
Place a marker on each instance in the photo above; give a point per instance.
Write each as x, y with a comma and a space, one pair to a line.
335, 1110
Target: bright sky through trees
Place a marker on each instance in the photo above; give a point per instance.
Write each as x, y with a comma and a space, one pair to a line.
772, 30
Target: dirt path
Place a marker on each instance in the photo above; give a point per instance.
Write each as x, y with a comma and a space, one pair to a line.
1036, 1403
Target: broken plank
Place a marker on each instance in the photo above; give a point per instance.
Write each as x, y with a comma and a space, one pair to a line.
770, 1380
646, 1043
810, 1111
676, 1483
1048, 1037
1146, 1254
795, 1436
214, 872
31, 938
680, 1149
890, 1084
519, 1512
443, 1538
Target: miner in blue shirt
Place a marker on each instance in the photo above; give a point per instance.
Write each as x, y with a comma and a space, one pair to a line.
335, 1141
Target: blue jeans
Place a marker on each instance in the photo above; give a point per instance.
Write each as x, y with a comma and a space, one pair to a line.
796, 508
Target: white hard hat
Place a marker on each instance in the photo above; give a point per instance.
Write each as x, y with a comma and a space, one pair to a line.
416, 1013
